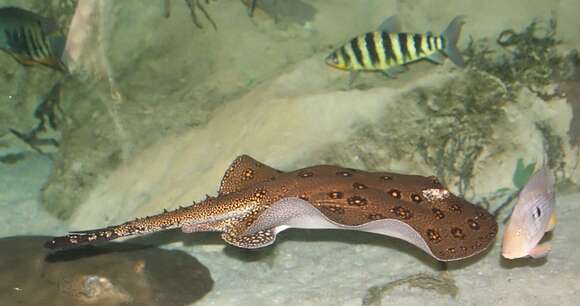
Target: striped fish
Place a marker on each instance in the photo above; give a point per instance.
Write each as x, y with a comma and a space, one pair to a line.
389, 49
30, 38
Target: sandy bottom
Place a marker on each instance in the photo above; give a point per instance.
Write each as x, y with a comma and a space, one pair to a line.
20, 184
332, 267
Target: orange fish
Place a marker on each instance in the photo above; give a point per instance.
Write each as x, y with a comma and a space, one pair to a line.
532, 217
31, 38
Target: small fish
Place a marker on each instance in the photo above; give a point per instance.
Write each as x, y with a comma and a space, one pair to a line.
533, 215
31, 38
388, 49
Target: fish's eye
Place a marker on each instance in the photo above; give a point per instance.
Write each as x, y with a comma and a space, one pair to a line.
332, 59
537, 213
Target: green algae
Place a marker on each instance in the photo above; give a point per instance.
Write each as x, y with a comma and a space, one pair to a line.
528, 58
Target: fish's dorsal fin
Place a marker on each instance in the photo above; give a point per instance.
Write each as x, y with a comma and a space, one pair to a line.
243, 172
391, 24
541, 180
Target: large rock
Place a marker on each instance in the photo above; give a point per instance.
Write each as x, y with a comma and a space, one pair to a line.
116, 274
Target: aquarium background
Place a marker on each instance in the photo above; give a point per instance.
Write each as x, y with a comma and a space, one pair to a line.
158, 104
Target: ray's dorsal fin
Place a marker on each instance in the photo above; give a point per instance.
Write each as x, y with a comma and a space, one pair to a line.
245, 171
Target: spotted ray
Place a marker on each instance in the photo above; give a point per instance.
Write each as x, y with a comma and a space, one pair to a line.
256, 202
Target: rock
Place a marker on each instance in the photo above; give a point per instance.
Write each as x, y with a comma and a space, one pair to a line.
571, 91
295, 11
114, 274
133, 85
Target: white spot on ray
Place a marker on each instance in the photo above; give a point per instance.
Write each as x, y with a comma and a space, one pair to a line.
435, 194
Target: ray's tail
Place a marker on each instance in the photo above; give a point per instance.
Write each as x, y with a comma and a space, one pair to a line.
159, 222
82, 237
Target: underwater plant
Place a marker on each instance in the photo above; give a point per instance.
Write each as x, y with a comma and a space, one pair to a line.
193, 6
528, 58
522, 173
459, 125
461, 118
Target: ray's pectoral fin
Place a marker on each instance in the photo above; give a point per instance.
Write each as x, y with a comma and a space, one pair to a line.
541, 250
257, 240
281, 215
245, 171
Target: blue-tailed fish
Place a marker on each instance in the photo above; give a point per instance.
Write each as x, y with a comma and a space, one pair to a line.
389, 49
531, 218
31, 38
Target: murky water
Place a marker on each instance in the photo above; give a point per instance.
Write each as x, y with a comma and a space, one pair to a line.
116, 110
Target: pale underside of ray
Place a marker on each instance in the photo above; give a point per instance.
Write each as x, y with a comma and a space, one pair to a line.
297, 213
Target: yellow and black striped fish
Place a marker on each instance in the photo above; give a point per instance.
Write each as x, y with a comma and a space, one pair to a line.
388, 49
31, 38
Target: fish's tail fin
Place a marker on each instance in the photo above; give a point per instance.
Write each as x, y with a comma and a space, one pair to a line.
451, 36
